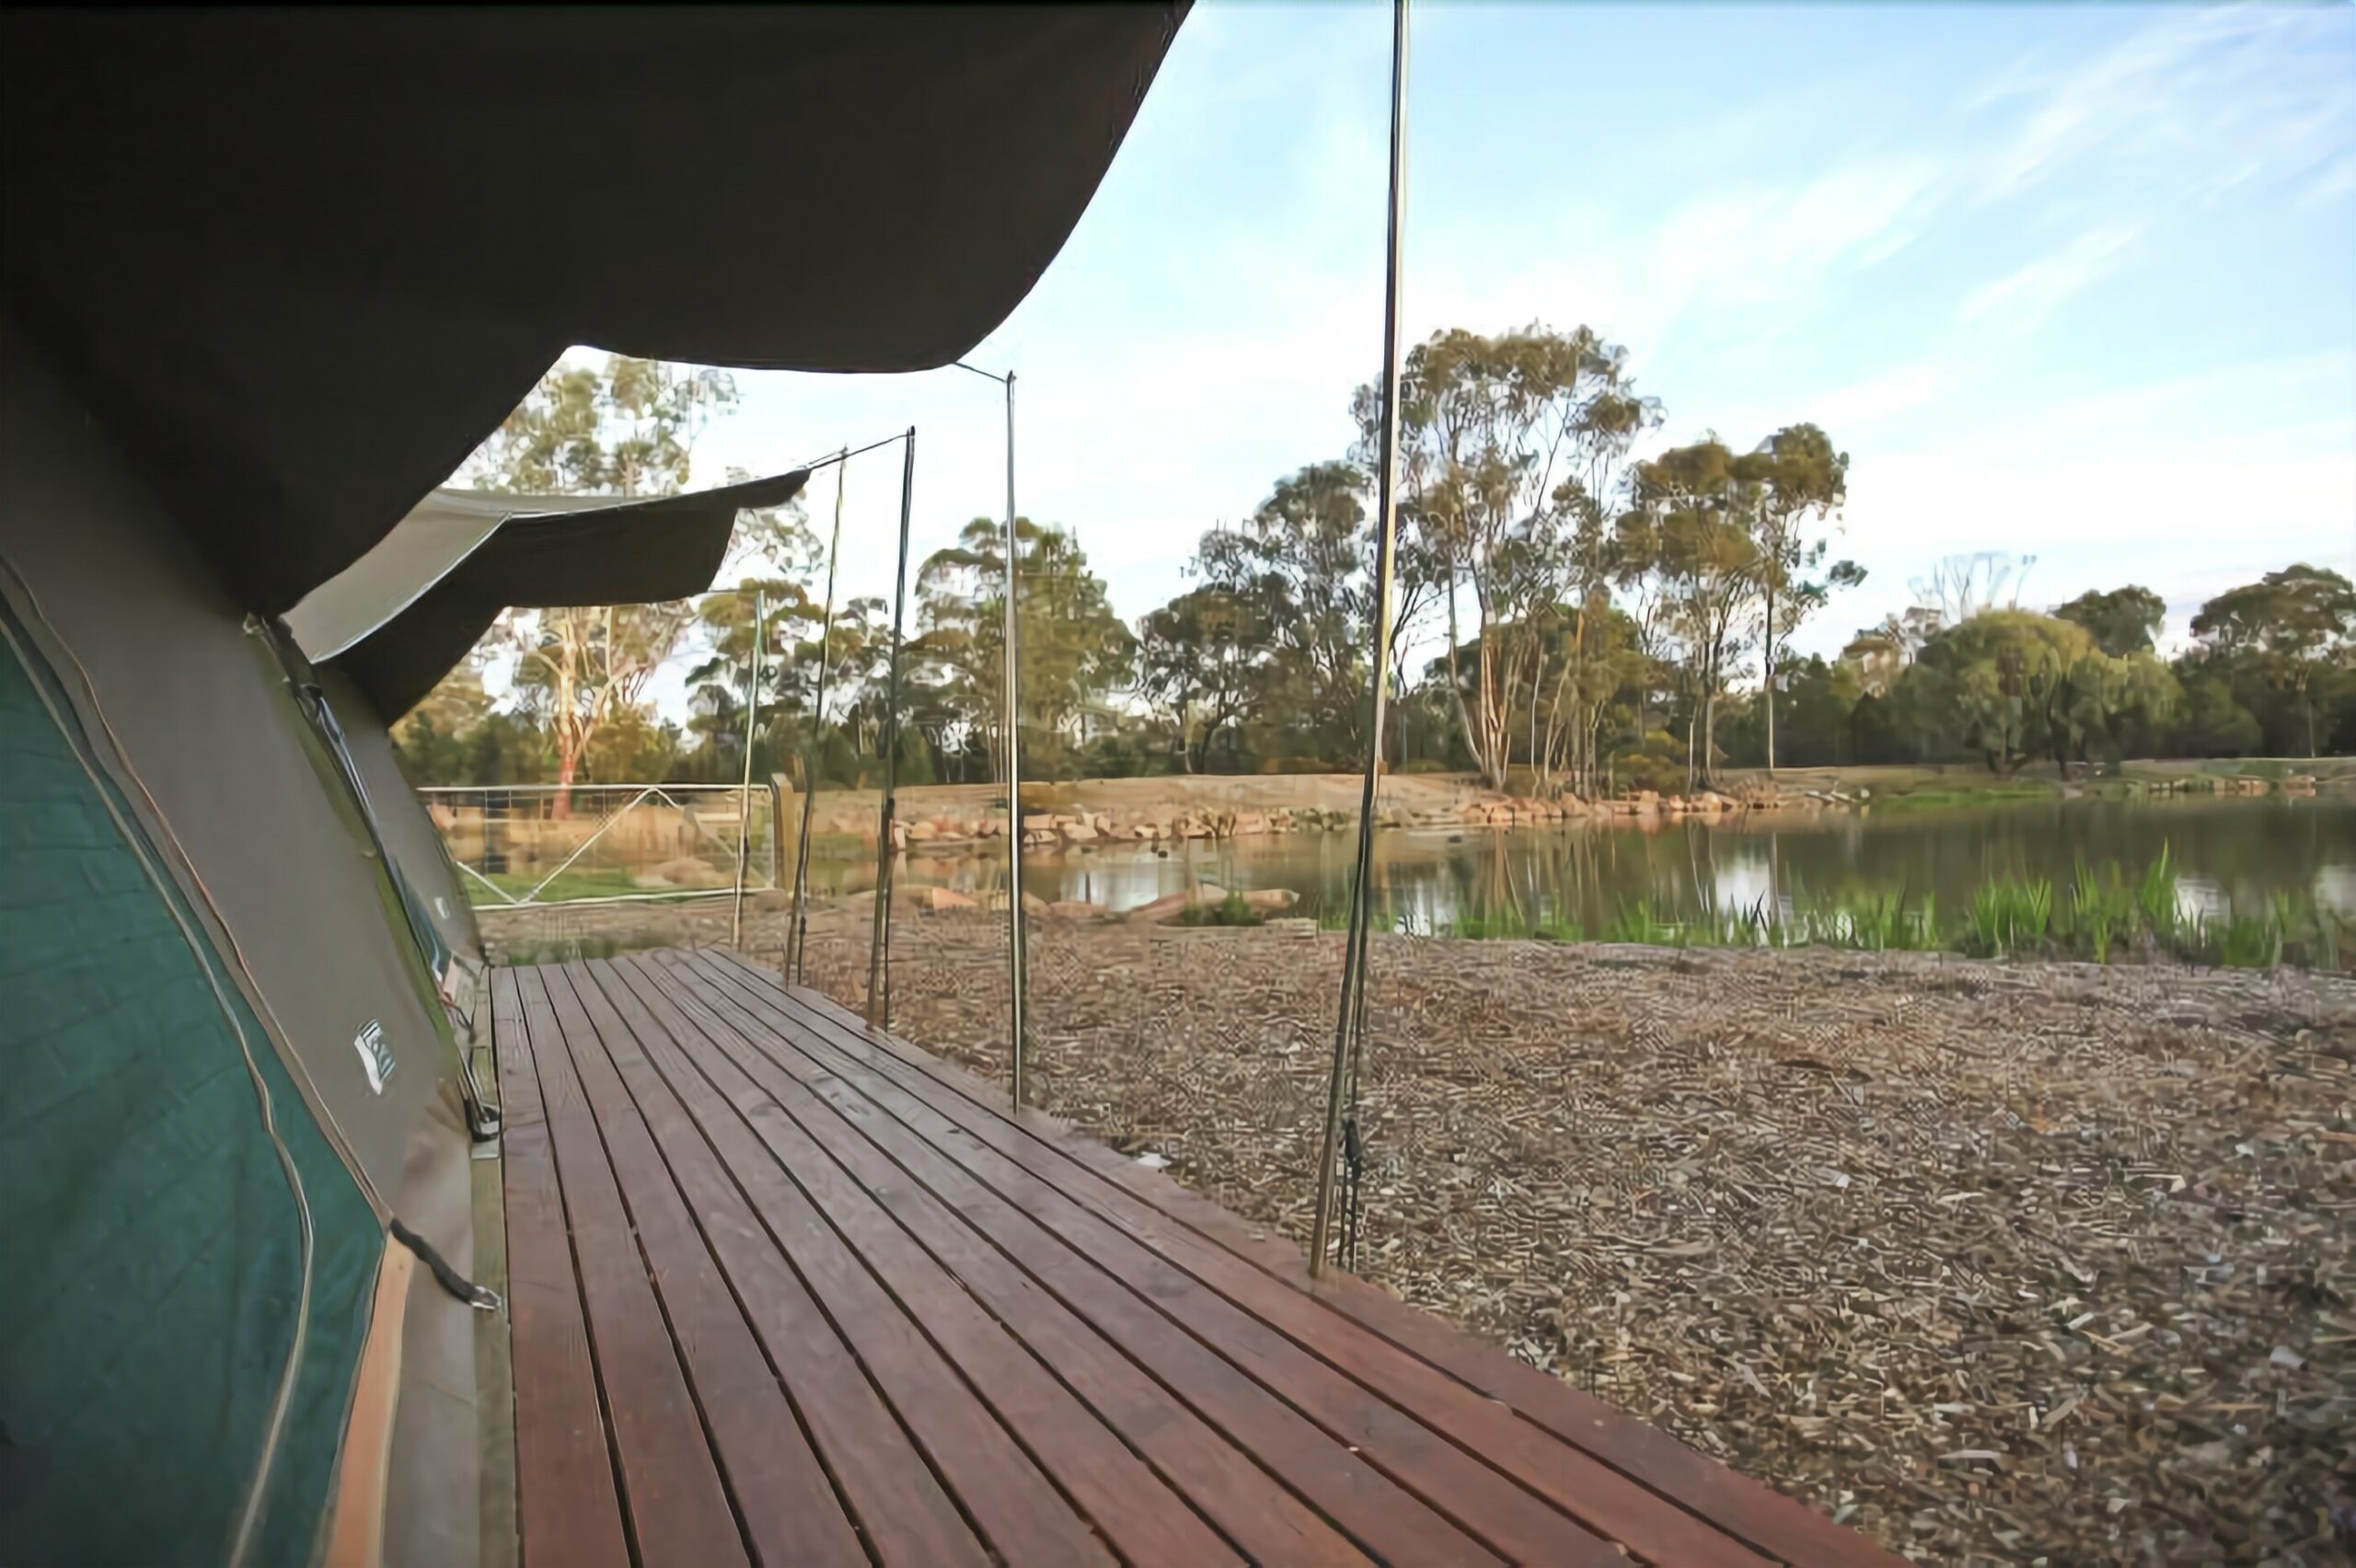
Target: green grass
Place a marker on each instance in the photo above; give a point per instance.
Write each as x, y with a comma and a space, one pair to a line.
572, 884
1495, 926
1636, 921
2008, 916
1229, 911
1991, 793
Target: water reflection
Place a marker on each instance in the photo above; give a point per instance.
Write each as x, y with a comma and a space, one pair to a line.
2230, 855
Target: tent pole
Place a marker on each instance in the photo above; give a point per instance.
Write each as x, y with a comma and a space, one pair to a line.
1010, 729
1349, 1031
745, 794
879, 953
800, 932
1012, 726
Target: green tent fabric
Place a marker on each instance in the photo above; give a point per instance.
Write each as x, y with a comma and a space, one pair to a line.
149, 1209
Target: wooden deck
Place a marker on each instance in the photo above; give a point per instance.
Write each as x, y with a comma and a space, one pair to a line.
787, 1291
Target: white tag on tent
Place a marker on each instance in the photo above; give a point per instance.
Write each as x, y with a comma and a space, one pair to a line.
375, 1055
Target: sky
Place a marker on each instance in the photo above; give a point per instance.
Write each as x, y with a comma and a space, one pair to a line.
2075, 282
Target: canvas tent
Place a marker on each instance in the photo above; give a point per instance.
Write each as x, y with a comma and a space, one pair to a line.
402, 615
380, 633
269, 278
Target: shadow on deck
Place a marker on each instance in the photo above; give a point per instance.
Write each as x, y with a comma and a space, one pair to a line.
785, 1290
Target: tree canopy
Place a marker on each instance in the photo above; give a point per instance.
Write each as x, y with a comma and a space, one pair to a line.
1589, 611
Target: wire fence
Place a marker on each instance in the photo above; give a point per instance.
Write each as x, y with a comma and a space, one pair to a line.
527, 845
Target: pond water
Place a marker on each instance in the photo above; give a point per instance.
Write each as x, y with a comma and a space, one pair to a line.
2231, 855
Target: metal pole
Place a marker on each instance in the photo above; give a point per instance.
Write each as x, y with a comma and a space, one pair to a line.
879, 955
800, 933
1346, 1028
1013, 723
745, 794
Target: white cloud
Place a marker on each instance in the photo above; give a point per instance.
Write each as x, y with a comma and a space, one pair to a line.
2111, 488
2266, 81
1876, 399
2020, 302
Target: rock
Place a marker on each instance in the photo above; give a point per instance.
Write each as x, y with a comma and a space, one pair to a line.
1033, 904
1267, 900
1474, 815
1167, 906
938, 899
1038, 822
772, 900
1249, 824
1077, 832
923, 832
1076, 909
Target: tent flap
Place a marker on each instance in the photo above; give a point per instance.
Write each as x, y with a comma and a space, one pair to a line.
406, 613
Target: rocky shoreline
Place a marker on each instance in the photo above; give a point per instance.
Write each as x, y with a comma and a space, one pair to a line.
941, 819
935, 826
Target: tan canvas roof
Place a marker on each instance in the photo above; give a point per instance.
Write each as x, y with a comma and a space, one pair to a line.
301, 260
401, 616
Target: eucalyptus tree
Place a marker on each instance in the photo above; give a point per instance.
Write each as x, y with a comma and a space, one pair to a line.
1690, 531
2282, 642
1508, 443
1296, 568
1201, 664
1074, 649
1796, 478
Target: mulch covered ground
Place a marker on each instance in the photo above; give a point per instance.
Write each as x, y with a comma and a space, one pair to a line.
1997, 1262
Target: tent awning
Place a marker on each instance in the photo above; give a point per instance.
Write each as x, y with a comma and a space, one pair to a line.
299, 262
401, 616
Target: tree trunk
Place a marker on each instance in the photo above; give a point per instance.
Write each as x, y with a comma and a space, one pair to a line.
1767, 691
567, 763
1399, 684
1709, 730
1456, 674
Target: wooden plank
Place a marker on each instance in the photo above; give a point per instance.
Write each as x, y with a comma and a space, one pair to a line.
1143, 1517
1776, 1525
789, 1510
969, 1453
680, 1512
1348, 1491
1102, 1276
568, 1513
1598, 1497
1401, 1436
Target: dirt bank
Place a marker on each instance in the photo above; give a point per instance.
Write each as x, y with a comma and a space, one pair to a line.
1998, 1263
